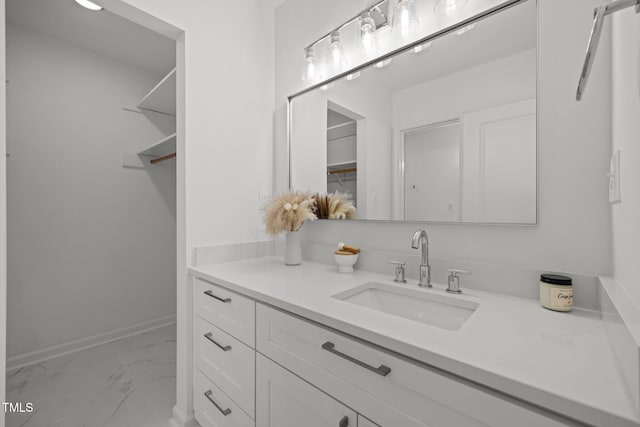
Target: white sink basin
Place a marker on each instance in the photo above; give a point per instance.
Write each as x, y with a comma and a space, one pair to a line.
443, 311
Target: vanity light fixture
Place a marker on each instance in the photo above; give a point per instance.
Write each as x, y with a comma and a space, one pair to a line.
368, 34
422, 47
449, 7
88, 5
405, 18
370, 21
336, 51
382, 64
309, 72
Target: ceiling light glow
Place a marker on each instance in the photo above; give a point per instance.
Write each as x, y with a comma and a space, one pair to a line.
89, 5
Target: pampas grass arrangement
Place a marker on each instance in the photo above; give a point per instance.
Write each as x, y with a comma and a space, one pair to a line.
334, 206
288, 211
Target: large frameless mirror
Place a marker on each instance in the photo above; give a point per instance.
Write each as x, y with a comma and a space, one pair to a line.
442, 132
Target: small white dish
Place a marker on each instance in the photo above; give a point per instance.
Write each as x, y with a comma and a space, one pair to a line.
346, 262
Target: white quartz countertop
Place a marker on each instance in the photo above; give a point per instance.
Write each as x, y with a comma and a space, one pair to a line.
559, 361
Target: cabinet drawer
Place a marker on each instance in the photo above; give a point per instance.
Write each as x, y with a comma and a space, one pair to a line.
389, 390
229, 363
284, 400
213, 408
229, 311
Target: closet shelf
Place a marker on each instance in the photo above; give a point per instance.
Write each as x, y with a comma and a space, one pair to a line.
342, 165
162, 98
161, 148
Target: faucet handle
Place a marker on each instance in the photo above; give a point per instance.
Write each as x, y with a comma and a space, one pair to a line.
454, 280
399, 271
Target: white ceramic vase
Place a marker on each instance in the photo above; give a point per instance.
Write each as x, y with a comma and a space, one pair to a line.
293, 250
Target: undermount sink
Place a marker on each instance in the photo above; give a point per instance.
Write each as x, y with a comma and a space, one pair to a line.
442, 311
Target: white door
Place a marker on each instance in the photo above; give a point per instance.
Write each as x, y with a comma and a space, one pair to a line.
499, 164
284, 400
432, 173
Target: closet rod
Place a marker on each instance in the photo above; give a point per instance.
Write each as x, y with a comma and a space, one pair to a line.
163, 158
596, 30
342, 171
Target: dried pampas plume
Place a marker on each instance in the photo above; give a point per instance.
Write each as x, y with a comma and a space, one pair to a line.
334, 206
287, 212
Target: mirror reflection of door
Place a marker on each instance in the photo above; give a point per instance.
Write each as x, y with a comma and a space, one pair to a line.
432, 173
342, 165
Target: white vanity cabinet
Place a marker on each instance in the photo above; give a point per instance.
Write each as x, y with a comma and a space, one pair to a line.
224, 357
389, 390
255, 365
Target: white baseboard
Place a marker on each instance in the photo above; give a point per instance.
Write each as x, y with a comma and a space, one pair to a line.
38, 356
180, 420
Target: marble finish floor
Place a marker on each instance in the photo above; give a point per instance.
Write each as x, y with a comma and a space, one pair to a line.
126, 383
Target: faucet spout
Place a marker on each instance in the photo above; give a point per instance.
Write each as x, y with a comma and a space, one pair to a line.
421, 240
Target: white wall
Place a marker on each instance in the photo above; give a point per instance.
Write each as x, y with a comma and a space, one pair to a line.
3, 213
92, 245
573, 234
626, 138
225, 126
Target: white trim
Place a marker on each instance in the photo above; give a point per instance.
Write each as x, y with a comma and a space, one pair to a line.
38, 356
182, 420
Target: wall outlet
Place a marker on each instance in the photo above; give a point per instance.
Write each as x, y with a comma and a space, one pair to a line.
614, 178
263, 199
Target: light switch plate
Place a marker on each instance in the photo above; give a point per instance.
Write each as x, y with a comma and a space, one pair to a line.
614, 178
263, 199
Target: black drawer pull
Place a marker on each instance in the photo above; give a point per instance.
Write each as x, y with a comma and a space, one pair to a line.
209, 336
380, 370
344, 422
210, 294
224, 412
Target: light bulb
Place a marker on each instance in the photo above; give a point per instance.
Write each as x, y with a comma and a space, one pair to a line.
368, 34
309, 72
336, 54
406, 18
89, 5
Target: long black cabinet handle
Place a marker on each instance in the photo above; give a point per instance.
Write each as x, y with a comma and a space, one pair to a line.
344, 422
224, 412
210, 294
209, 336
380, 370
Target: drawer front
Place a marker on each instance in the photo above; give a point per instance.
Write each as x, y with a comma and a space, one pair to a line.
229, 311
285, 400
388, 390
229, 363
213, 408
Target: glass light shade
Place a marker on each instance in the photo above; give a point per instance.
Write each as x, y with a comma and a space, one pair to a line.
368, 35
405, 18
449, 7
336, 52
89, 5
310, 69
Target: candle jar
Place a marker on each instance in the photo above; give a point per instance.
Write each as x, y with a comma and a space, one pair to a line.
556, 292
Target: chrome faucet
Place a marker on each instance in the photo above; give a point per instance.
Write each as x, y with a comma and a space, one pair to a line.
420, 238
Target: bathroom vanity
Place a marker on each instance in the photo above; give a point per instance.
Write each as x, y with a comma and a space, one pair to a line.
307, 346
